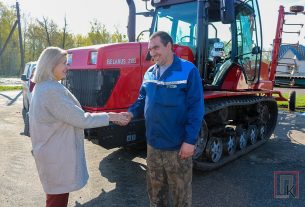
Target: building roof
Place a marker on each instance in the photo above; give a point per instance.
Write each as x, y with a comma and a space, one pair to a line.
298, 51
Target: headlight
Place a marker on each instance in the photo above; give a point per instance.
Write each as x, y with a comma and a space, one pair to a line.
69, 58
93, 58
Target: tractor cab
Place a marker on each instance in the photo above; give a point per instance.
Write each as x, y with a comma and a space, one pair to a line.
220, 34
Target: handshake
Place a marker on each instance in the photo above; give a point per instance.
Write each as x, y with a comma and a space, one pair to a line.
121, 119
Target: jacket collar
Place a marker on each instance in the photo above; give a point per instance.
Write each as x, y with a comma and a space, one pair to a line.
175, 66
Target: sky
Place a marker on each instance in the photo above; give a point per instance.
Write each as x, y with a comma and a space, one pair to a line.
113, 13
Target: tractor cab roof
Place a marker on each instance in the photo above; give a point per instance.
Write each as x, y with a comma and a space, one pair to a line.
214, 7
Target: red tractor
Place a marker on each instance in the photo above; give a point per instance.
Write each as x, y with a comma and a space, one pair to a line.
223, 38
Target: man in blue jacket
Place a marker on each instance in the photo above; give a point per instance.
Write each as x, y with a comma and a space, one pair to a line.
171, 99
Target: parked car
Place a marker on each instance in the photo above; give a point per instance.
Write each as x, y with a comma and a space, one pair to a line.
27, 88
27, 84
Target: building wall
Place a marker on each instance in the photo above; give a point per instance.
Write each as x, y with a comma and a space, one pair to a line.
284, 69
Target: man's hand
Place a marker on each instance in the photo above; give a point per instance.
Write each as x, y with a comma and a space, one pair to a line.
186, 150
123, 118
118, 118
128, 116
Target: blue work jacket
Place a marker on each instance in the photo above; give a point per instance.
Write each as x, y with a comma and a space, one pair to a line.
172, 105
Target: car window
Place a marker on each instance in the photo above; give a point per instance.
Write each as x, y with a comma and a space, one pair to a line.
33, 66
29, 69
26, 70
32, 71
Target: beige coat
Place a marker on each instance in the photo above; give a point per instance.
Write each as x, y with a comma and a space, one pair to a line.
57, 125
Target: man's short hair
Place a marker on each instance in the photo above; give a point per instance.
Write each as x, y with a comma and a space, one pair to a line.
164, 37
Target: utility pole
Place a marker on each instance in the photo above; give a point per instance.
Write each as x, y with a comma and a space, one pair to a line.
17, 23
20, 38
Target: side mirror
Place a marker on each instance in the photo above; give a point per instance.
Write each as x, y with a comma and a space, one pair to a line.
146, 14
256, 50
227, 11
24, 78
297, 9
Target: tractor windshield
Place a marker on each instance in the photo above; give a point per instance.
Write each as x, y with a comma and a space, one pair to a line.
180, 21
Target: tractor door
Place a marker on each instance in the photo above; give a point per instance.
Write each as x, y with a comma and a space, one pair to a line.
249, 41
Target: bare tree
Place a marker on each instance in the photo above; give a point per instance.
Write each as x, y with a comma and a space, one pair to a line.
64, 33
44, 23
25, 20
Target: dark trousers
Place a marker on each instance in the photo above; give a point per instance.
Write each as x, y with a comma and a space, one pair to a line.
57, 200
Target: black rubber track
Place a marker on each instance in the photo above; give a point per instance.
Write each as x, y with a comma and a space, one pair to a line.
217, 104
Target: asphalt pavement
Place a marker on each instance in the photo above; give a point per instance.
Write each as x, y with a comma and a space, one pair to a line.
117, 177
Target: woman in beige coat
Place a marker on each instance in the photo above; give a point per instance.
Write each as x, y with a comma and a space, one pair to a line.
57, 124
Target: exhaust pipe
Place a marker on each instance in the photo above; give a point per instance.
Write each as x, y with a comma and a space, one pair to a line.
131, 26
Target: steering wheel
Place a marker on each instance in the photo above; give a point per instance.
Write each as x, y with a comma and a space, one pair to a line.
187, 36
181, 39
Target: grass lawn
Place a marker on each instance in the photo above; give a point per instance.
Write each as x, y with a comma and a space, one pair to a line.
299, 105
10, 88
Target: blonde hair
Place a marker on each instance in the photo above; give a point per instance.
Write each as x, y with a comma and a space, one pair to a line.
47, 61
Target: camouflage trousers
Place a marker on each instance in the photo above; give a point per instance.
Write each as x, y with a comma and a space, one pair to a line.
169, 179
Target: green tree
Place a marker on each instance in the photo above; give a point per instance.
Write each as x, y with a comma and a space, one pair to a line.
41, 33
117, 36
98, 33
52, 33
10, 58
80, 40
35, 41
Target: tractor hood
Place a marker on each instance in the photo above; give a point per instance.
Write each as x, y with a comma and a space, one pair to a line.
105, 56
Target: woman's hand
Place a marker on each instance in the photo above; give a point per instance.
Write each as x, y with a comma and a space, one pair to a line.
121, 119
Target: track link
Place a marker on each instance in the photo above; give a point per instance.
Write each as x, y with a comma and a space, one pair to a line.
212, 106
